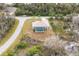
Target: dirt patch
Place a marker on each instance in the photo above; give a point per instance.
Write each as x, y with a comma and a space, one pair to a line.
34, 35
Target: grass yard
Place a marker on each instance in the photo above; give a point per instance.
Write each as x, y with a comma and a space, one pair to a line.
11, 31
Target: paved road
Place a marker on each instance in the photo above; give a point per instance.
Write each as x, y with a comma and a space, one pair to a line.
5, 46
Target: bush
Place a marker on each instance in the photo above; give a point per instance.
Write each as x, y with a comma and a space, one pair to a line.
58, 52
34, 50
22, 45
10, 53
50, 19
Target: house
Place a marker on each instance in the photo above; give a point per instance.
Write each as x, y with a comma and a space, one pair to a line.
40, 26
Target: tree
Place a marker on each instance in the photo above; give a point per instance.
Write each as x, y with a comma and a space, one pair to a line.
34, 50
43, 9
5, 24
22, 45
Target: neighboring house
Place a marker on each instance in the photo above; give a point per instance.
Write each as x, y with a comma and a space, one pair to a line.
10, 10
40, 26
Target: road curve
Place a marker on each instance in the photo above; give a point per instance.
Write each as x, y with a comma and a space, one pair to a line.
8, 43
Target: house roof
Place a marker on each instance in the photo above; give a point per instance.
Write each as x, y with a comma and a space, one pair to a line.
41, 23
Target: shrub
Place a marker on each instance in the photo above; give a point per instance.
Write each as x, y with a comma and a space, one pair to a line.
10, 53
22, 45
50, 19
34, 50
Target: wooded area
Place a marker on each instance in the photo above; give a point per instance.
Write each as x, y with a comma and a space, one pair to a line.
6, 22
42, 9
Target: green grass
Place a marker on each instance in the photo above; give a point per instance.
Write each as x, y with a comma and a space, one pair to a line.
10, 32
57, 26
